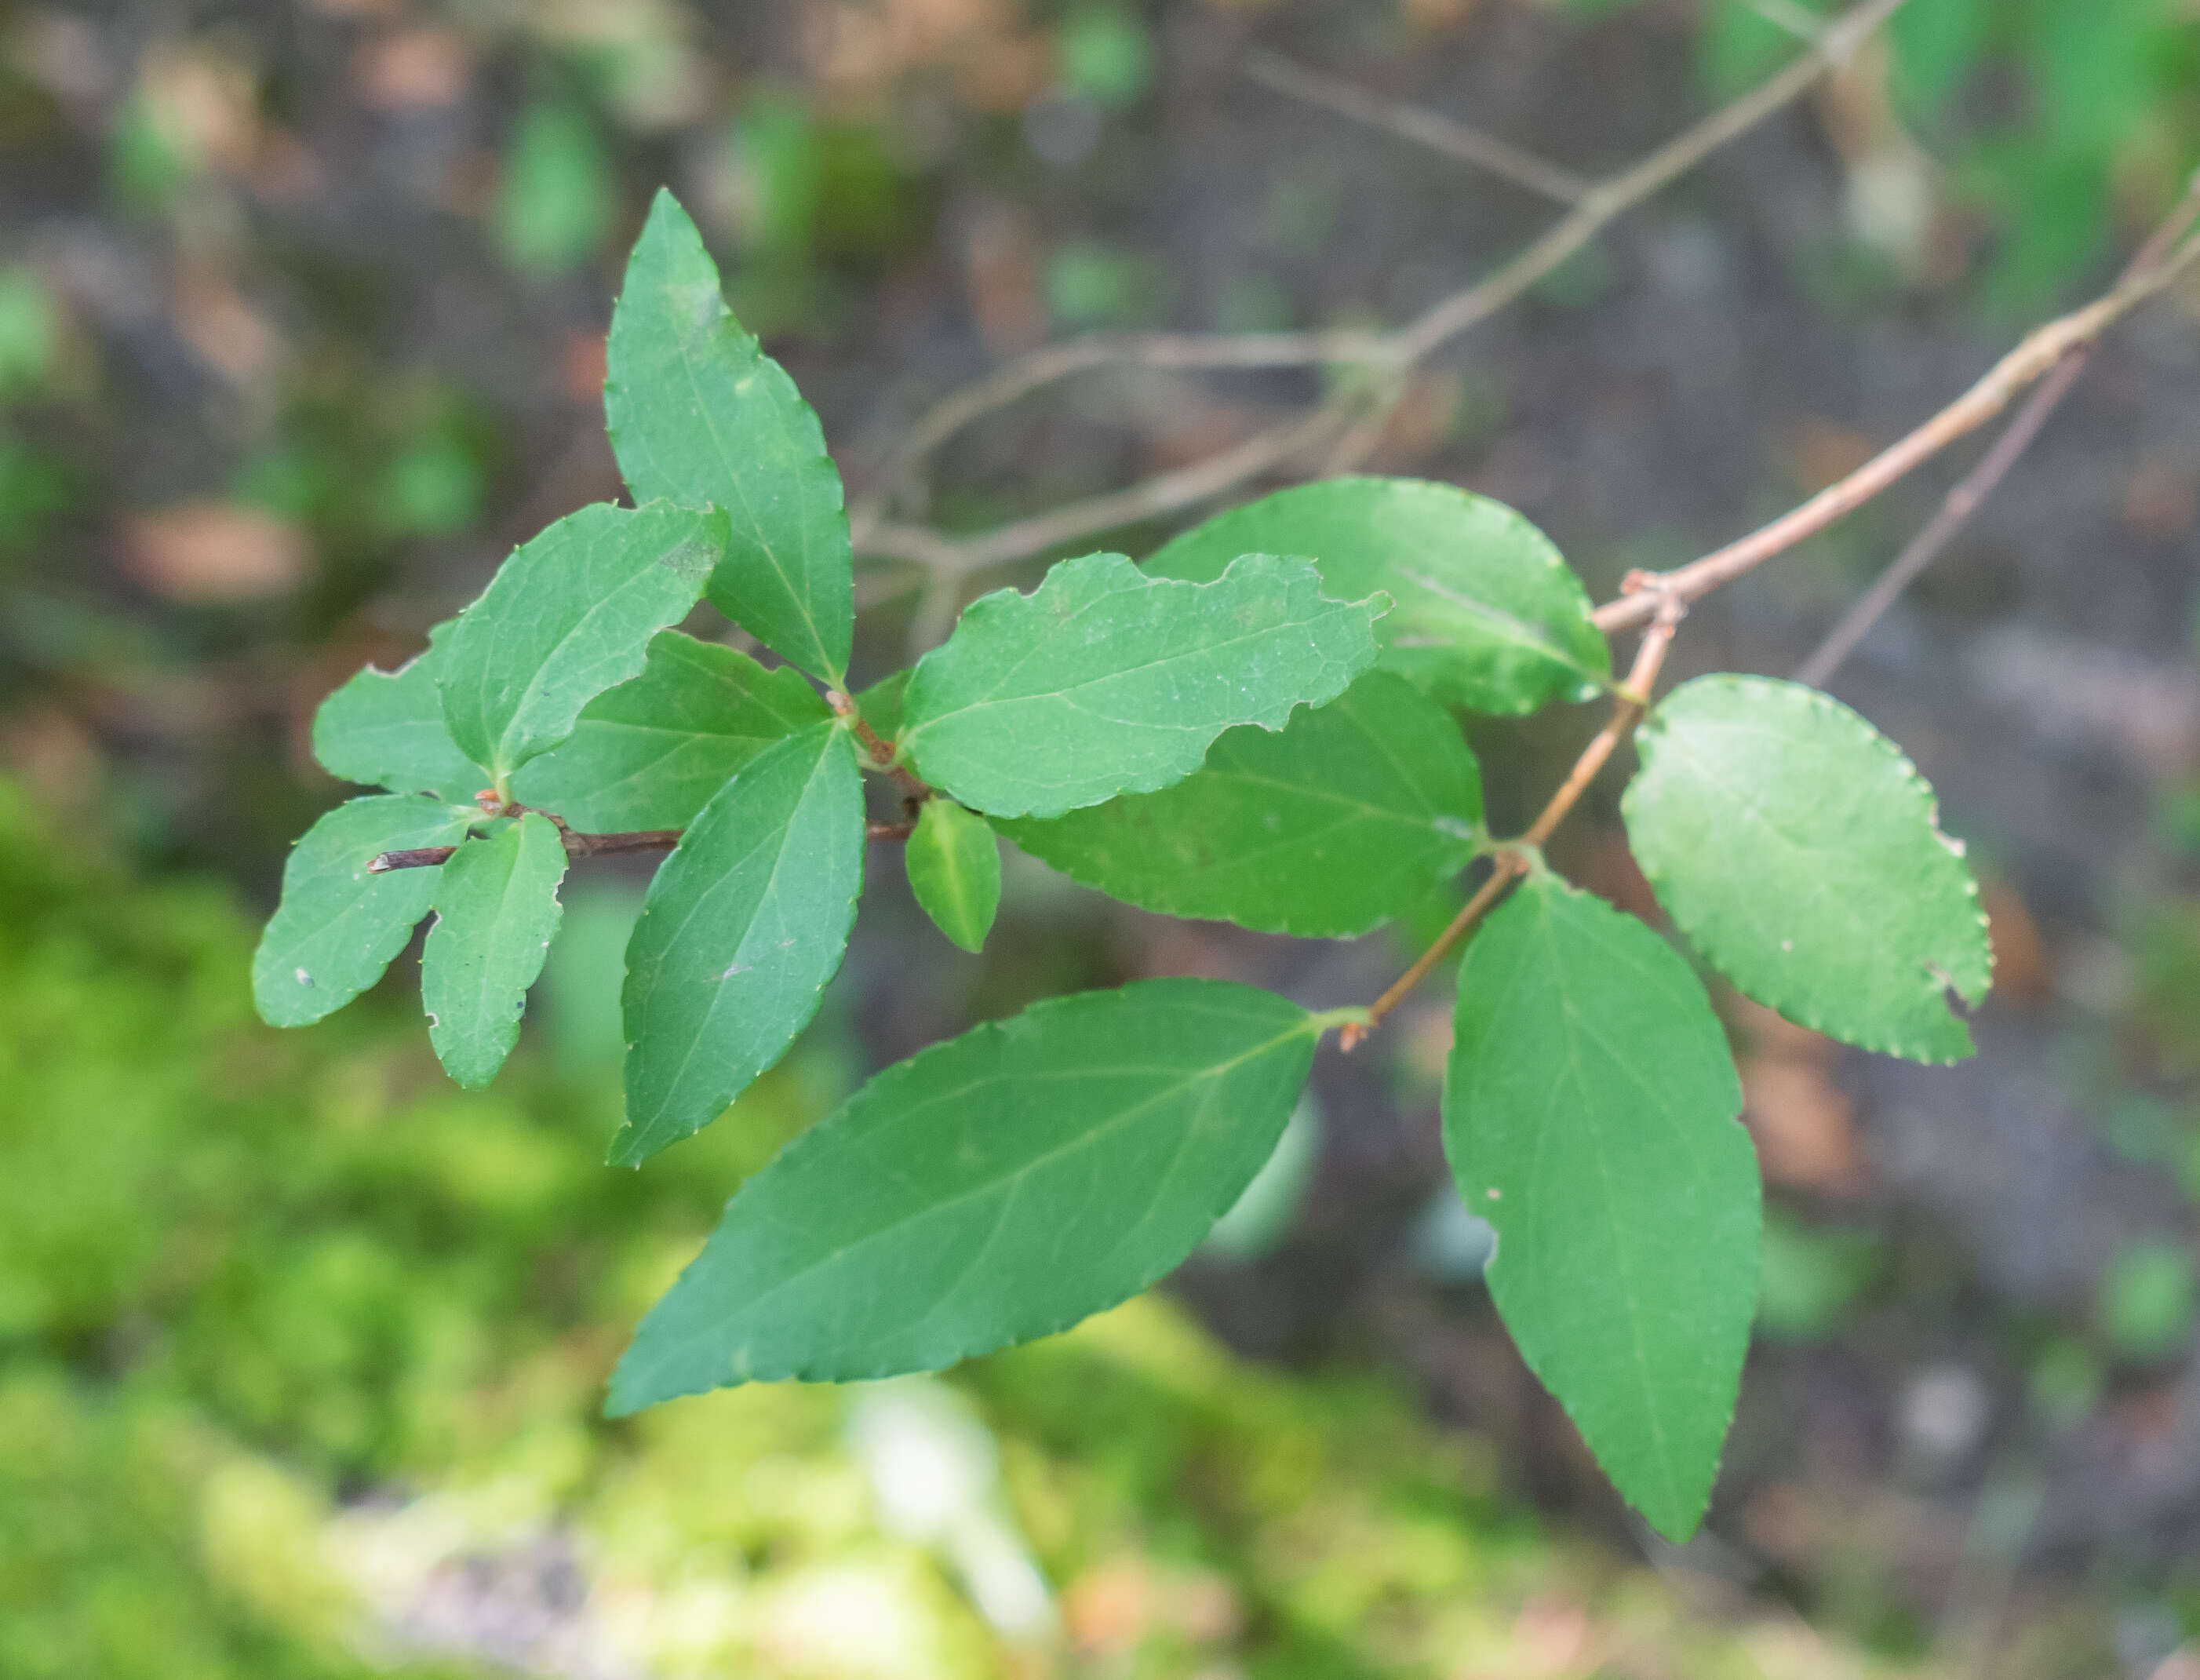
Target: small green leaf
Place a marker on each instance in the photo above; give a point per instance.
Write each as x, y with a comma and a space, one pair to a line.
998, 1186
1345, 819
570, 614
1486, 615
650, 753
699, 414
496, 912
955, 869
1104, 681
338, 926
385, 728
1798, 850
1589, 1114
744, 924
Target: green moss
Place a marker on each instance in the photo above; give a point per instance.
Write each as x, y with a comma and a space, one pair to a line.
302, 1351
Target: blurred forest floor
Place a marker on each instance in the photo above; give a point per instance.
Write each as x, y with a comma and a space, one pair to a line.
301, 317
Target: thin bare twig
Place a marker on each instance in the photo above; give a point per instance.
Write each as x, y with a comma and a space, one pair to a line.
578, 846
1412, 122
1510, 862
1044, 366
1632, 185
1392, 353
1993, 466
1163, 494
2030, 361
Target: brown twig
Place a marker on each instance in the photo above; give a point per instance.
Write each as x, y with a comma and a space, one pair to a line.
1391, 353
1511, 861
1163, 494
578, 846
1438, 133
913, 790
1993, 466
1044, 366
2030, 361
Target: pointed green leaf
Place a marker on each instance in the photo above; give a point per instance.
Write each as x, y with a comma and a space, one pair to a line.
338, 926
1798, 849
699, 414
1104, 681
650, 753
955, 869
1486, 615
570, 614
496, 912
385, 728
998, 1186
1589, 1114
744, 924
1345, 818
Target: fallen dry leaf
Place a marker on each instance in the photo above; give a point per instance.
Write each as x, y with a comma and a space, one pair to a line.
2159, 501
200, 552
1800, 1120
1817, 452
413, 70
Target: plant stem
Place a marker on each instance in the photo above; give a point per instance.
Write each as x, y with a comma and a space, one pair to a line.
2039, 353
1993, 466
578, 846
1511, 863
1394, 353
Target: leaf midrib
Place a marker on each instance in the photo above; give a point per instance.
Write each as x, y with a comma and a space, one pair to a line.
1012, 1179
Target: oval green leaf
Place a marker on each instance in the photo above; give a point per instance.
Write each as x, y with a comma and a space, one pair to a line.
996, 1187
744, 924
954, 866
1342, 820
651, 752
1589, 1114
496, 912
569, 615
698, 414
1103, 680
1486, 615
386, 728
338, 926
1799, 850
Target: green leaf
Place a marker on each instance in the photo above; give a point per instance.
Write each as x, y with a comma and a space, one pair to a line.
1798, 850
699, 414
496, 912
998, 1186
570, 614
955, 869
385, 728
1486, 615
338, 926
1589, 1114
1102, 681
650, 753
744, 924
1345, 819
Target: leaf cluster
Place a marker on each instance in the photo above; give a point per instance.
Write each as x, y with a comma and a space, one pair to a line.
1259, 725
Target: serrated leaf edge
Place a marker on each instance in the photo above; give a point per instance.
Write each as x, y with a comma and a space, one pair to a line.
964, 1349
618, 1158
1907, 771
